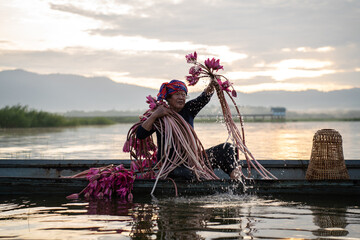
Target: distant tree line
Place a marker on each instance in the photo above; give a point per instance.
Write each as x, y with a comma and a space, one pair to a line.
22, 117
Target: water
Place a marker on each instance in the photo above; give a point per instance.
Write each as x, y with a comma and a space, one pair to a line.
223, 216
289, 140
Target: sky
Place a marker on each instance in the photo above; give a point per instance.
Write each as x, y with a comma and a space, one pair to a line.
289, 45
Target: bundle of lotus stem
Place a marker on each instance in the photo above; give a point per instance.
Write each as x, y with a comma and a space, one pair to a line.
209, 70
187, 149
237, 136
180, 146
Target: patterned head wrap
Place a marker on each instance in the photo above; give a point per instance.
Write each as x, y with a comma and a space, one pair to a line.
170, 88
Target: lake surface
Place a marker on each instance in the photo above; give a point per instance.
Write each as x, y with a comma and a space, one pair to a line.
288, 140
222, 216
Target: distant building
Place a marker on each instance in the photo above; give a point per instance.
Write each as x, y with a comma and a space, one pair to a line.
278, 112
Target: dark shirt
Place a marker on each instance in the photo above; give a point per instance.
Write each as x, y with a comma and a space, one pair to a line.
189, 112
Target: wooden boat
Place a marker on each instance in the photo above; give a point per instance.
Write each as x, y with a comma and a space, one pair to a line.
25, 176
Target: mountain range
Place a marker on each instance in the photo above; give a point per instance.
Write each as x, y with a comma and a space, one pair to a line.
63, 92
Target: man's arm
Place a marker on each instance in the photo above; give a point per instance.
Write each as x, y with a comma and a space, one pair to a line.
146, 128
158, 113
210, 88
194, 106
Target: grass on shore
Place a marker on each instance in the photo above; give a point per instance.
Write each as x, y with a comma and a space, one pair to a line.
21, 117
277, 120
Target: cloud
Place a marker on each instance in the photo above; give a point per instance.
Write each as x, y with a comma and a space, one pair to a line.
310, 50
145, 41
307, 64
292, 87
251, 24
320, 49
287, 69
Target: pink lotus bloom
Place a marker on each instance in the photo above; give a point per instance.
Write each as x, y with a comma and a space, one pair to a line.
100, 195
107, 191
126, 147
233, 93
92, 172
130, 197
121, 192
73, 196
151, 101
93, 177
191, 58
213, 64
224, 85
154, 157
195, 71
192, 80
134, 166
87, 195
105, 182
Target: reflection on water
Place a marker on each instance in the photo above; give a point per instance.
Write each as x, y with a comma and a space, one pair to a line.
223, 216
96, 142
330, 222
289, 140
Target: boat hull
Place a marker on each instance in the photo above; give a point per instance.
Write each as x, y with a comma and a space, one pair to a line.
46, 177
67, 186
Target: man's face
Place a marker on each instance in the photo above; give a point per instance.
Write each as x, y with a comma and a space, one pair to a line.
177, 100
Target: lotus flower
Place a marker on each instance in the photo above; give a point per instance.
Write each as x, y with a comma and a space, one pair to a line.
130, 197
191, 58
224, 85
233, 93
134, 166
151, 101
195, 70
192, 80
103, 182
126, 147
100, 195
73, 196
198, 71
213, 64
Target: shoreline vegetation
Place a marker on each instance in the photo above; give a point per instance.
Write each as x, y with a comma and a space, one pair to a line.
22, 117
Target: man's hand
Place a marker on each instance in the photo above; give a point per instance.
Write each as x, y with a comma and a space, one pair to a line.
210, 88
159, 112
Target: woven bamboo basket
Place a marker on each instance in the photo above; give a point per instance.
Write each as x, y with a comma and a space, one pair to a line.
327, 158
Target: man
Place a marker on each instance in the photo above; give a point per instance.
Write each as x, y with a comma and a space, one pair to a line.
174, 92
